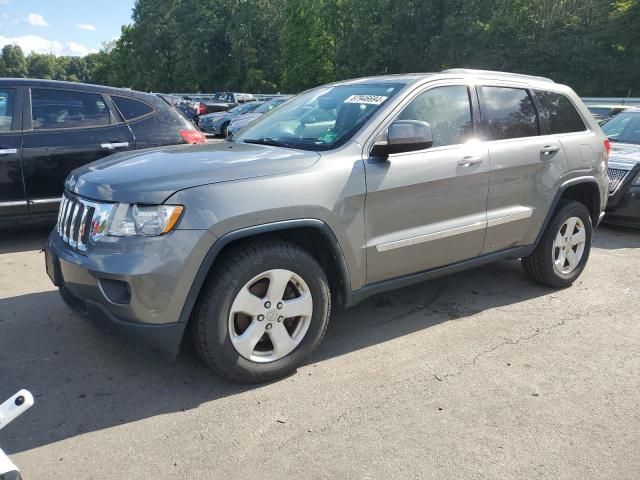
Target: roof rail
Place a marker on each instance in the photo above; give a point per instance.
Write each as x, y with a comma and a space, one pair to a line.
492, 73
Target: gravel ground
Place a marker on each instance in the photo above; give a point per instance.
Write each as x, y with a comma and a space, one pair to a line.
477, 375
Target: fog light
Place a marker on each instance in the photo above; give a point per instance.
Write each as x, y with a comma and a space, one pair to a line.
115, 291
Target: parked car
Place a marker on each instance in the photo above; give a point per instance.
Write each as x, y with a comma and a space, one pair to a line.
623, 131
49, 128
602, 113
221, 102
251, 241
217, 123
238, 123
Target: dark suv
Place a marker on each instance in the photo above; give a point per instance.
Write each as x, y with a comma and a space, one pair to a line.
49, 128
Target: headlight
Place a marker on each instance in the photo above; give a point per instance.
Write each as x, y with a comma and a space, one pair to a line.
145, 220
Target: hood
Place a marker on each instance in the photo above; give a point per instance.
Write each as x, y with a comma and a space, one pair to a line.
151, 176
246, 118
212, 116
625, 155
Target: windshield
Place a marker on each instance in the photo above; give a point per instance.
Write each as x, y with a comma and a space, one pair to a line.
244, 108
322, 118
624, 127
270, 105
222, 97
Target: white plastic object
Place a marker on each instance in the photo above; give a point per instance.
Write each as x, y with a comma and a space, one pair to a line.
14, 407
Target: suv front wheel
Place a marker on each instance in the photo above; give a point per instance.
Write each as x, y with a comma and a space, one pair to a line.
263, 311
564, 249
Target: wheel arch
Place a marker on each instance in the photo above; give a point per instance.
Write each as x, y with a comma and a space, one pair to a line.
585, 190
312, 234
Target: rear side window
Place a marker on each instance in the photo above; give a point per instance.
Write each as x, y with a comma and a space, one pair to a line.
507, 113
131, 108
52, 108
447, 110
6, 109
560, 113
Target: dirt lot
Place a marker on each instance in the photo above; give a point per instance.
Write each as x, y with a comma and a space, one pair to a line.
478, 375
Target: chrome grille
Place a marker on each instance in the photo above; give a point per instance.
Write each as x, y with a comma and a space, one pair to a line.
616, 177
74, 222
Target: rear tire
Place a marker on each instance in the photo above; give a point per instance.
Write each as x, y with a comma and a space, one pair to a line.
564, 248
246, 335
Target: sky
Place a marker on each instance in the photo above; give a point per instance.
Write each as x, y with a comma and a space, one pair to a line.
63, 27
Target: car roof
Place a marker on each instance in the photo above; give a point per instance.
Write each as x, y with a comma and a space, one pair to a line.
410, 78
87, 87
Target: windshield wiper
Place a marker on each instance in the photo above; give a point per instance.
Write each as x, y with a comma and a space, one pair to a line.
266, 141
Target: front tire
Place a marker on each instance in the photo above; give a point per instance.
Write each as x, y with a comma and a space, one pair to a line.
564, 249
263, 311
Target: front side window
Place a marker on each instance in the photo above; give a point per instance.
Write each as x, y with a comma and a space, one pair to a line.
560, 113
447, 110
507, 113
52, 108
131, 108
320, 119
624, 127
6, 109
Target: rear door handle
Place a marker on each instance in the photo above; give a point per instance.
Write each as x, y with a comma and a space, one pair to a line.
114, 145
470, 160
8, 151
549, 149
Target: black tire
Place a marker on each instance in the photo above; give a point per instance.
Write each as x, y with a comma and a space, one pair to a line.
211, 334
539, 265
223, 130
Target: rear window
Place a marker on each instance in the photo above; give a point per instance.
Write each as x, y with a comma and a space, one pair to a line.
51, 108
560, 113
131, 108
508, 113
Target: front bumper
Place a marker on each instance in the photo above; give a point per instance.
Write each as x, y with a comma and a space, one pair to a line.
134, 288
624, 205
626, 208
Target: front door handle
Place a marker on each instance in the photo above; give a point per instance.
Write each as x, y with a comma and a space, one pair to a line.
114, 145
549, 150
8, 151
470, 160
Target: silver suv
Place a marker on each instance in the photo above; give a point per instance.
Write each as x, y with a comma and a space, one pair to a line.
345, 191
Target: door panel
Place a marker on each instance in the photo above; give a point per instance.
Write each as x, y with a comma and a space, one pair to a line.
12, 196
525, 167
521, 188
424, 210
59, 142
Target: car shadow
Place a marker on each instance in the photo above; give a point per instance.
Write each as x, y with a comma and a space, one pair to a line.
615, 237
24, 238
85, 380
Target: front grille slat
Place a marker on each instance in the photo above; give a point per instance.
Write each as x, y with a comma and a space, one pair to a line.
616, 179
75, 219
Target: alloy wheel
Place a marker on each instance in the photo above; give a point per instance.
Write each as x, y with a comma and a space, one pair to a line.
270, 315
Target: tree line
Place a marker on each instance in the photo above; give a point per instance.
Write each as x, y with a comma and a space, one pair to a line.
289, 45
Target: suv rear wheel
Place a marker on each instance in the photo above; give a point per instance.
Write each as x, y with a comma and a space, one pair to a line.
564, 249
263, 311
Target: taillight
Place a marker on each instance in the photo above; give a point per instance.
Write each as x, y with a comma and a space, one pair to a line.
193, 136
202, 109
607, 147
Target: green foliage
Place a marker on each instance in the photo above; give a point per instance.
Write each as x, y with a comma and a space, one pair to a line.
14, 63
289, 45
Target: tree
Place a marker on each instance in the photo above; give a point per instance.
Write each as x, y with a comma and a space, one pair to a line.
308, 46
44, 66
15, 65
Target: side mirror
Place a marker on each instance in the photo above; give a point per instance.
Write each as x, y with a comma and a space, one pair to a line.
404, 136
